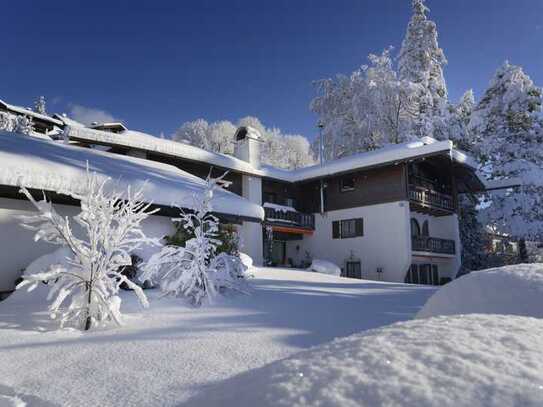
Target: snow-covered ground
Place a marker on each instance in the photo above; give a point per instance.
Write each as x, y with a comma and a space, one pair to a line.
471, 360
172, 353
514, 290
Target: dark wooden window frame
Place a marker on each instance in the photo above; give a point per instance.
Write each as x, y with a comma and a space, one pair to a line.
351, 185
338, 230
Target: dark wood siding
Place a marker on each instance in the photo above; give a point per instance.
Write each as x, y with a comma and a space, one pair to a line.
372, 187
201, 170
282, 191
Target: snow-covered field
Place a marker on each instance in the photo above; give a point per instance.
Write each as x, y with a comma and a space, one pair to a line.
172, 353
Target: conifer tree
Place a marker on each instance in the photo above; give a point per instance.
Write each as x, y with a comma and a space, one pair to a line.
508, 132
421, 62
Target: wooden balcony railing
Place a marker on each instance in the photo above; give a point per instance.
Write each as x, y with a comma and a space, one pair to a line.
290, 218
429, 198
432, 245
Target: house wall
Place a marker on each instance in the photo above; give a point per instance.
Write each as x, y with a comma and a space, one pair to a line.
17, 248
251, 232
443, 227
386, 242
374, 186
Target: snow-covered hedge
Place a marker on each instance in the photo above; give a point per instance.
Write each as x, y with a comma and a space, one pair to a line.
471, 360
514, 290
325, 267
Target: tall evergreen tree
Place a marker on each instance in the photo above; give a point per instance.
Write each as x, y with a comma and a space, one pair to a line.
508, 133
421, 62
39, 105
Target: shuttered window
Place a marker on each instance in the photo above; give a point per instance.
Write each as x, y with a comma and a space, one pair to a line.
344, 229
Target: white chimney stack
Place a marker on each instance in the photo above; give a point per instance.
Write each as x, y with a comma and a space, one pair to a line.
248, 142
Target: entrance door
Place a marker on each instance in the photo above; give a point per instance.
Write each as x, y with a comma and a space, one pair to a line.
279, 249
353, 269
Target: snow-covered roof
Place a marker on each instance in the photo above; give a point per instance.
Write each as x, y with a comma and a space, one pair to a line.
54, 166
492, 185
147, 142
385, 155
31, 113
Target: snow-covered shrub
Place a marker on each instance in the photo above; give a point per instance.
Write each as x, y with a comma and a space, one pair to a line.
228, 272
514, 290
190, 271
325, 267
90, 277
470, 360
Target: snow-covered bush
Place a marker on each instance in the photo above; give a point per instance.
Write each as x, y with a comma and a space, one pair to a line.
194, 271
470, 360
90, 276
514, 290
325, 267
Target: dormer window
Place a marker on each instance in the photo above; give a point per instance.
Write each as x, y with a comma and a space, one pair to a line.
347, 184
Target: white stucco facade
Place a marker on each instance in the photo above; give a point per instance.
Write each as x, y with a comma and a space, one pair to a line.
443, 227
19, 249
251, 232
385, 245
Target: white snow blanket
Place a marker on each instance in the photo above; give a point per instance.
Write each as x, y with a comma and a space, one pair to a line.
172, 352
54, 166
514, 290
325, 267
42, 263
475, 361
246, 260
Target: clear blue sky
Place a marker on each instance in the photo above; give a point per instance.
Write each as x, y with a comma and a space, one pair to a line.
156, 64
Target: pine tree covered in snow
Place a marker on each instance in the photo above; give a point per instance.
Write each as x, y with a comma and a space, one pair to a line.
111, 229
421, 62
508, 132
39, 105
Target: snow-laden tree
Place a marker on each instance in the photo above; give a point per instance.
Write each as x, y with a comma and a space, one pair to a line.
7, 121
421, 62
184, 271
110, 229
23, 125
508, 132
39, 105
217, 137
278, 149
366, 110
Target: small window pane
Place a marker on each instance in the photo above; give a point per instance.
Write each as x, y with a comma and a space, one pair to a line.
346, 184
348, 228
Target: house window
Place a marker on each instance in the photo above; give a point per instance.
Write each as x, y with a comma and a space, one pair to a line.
344, 229
290, 202
415, 228
346, 184
425, 229
353, 269
423, 274
270, 197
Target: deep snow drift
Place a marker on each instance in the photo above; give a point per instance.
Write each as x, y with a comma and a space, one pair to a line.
475, 360
172, 352
514, 290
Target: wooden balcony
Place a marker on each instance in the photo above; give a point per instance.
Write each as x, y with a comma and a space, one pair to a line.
427, 200
290, 218
433, 245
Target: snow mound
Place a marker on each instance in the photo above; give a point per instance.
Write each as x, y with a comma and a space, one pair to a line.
516, 290
9, 401
474, 360
246, 260
325, 267
42, 263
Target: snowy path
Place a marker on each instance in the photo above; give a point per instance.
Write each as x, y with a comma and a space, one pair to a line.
169, 353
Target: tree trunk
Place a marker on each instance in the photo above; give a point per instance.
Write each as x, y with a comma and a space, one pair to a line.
88, 321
